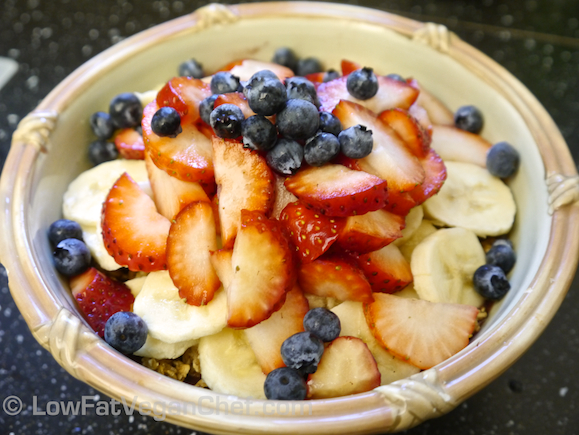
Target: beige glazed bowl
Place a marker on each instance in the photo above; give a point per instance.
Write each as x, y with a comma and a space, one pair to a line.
45, 157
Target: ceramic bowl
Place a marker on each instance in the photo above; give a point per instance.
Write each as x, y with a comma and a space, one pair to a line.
44, 158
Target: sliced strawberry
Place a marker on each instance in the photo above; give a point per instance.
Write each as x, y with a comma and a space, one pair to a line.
129, 143
266, 337
409, 129
435, 176
370, 231
187, 157
244, 182
215, 207
245, 68
348, 66
263, 271
438, 113
191, 238
386, 269
311, 232
282, 196
221, 262
346, 367
456, 145
133, 232
170, 194
421, 115
316, 78
184, 95
420, 332
237, 99
335, 190
99, 297
390, 159
391, 94
400, 203
336, 276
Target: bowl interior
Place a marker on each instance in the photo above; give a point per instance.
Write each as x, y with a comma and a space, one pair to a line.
328, 39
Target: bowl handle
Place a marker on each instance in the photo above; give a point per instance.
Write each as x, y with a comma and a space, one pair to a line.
563, 190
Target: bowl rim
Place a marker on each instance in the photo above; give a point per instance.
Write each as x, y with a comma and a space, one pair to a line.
427, 394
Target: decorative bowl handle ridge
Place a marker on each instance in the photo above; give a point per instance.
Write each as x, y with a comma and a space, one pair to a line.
35, 129
434, 35
563, 190
214, 14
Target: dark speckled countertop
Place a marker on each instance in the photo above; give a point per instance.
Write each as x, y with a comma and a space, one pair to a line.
537, 41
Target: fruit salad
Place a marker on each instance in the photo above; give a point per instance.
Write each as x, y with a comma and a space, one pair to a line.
274, 230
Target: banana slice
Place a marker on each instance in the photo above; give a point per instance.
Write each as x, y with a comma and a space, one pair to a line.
158, 349
412, 223
229, 366
85, 195
424, 230
316, 301
93, 238
136, 284
353, 323
443, 266
472, 198
408, 292
172, 320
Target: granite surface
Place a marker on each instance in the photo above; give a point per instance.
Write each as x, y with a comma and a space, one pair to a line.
536, 41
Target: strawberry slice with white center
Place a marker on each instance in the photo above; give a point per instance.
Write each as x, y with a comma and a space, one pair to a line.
435, 176
438, 113
370, 231
129, 143
336, 276
311, 232
386, 269
263, 271
134, 233
420, 332
188, 156
391, 93
346, 367
409, 129
244, 181
400, 203
99, 297
455, 145
221, 262
245, 68
348, 66
237, 99
390, 158
421, 115
267, 337
335, 190
191, 238
184, 95
170, 194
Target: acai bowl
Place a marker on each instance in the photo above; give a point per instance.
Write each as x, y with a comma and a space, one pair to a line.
511, 111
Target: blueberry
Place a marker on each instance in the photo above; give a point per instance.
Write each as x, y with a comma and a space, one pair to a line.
126, 110
71, 257
503, 160
356, 142
285, 384
302, 89
397, 77
224, 82
191, 68
330, 123
490, 282
285, 157
323, 323
261, 75
166, 122
320, 149
469, 118
299, 119
258, 133
302, 351
226, 121
362, 83
64, 229
126, 332
502, 254
266, 96
102, 125
330, 75
101, 151
307, 66
286, 57
206, 107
